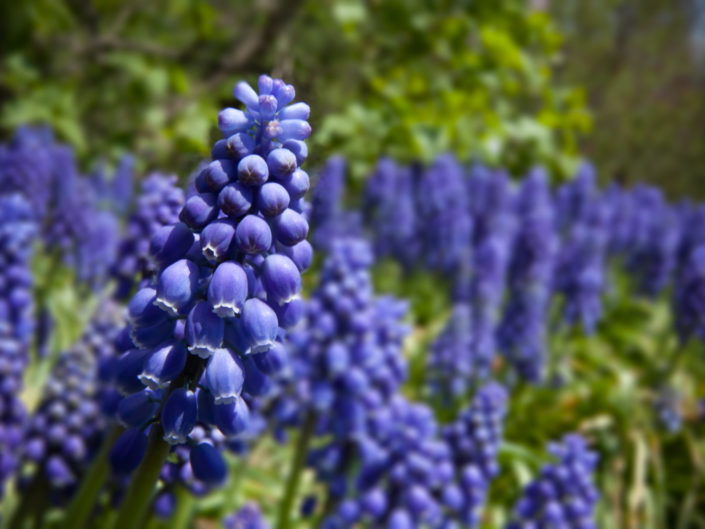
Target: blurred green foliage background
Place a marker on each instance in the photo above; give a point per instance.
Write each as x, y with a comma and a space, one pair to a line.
508, 82
407, 78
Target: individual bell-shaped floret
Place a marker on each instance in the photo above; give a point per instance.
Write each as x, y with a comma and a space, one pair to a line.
267, 107
127, 368
240, 145
256, 383
253, 235
284, 93
232, 120
217, 240
152, 335
281, 163
177, 286
296, 184
233, 418
259, 324
252, 170
199, 210
235, 200
281, 278
296, 111
288, 129
272, 361
227, 290
272, 199
204, 330
243, 92
299, 148
290, 227
135, 410
301, 253
223, 377
208, 464
163, 365
179, 415
142, 311
290, 313
170, 243
218, 174
128, 451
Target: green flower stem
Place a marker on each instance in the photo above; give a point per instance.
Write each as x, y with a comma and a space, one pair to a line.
297, 465
33, 502
80, 508
184, 509
139, 494
134, 507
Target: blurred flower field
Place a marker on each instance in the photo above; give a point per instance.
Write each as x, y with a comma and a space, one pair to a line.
460, 326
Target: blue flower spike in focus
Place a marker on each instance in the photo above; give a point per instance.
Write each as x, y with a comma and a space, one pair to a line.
226, 287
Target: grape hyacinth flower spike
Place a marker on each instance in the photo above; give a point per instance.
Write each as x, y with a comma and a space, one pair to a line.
156, 209
18, 229
227, 284
563, 495
522, 331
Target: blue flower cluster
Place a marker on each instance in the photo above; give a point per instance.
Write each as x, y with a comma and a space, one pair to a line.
248, 516
492, 205
345, 355
474, 439
207, 329
405, 476
651, 256
83, 235
26, 167
522, 332
452, 366
75, 213
584, 216
66, 429
120, 188
18, 231
389, 209
157, 205
329, 219
622, 206
445, 216
476, 434
689, 283
178, 471
412, 474
563, 496
115, 193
